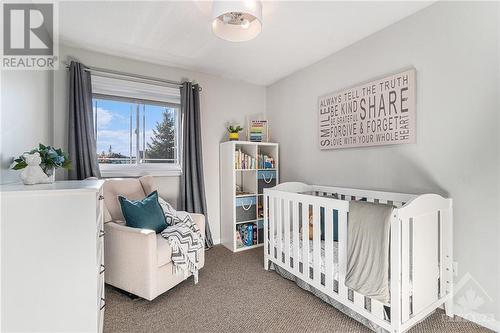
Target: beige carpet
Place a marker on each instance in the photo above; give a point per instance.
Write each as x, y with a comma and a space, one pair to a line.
235, 294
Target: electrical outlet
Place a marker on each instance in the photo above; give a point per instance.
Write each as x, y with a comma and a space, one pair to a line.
455, 268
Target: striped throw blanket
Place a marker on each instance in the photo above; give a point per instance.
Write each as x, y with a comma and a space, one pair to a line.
184, 238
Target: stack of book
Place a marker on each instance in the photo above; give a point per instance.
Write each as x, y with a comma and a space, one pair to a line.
244, 161
266, 162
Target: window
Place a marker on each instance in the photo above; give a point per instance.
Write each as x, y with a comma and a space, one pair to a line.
136, 136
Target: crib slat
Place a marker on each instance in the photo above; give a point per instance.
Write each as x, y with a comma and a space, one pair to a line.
266, 233
359, 300
286, 229
405, 269
295, 233
442, 265
305, 241
316, 245
329, 249
342, 244
279, 223
395, 273
377, 308
271, 222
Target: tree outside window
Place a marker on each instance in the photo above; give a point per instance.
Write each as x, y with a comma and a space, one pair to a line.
135, 132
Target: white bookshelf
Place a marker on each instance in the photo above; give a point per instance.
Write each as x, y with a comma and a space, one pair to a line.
247, 179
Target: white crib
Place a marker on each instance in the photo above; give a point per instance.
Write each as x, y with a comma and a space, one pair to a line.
421, 248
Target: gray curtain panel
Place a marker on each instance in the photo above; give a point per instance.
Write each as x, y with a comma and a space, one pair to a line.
81, 139
192, 185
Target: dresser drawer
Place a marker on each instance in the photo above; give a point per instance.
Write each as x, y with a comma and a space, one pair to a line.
100, 249
100, 287
101, 308
99, 213
101, 321
101, 302
99, 230
99, 221
100, 284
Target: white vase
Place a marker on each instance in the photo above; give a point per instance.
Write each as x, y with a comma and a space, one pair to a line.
51, 173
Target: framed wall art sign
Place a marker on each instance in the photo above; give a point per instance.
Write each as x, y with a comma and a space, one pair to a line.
379, 112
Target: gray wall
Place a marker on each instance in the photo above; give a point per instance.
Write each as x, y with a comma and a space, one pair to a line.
26, 117
454, 48
221, 100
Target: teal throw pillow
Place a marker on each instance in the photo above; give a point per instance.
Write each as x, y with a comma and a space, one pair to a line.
144, 214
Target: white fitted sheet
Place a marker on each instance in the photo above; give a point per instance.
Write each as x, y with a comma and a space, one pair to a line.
311, 259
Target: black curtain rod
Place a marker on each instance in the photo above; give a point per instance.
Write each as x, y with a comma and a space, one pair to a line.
134, 77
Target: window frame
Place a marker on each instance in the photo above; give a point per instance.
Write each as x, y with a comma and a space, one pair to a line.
141, 169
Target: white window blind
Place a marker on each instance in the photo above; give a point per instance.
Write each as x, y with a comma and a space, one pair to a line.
111, 86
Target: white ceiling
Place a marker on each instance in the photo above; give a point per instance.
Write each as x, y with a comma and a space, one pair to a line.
294, 34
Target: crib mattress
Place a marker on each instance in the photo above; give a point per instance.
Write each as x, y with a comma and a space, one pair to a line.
311, 259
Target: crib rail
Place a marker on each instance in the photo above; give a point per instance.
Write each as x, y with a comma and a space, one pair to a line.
415, 291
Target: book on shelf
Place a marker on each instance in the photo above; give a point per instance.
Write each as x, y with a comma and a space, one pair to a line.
239, 241
266, 162
244, 161
254, 234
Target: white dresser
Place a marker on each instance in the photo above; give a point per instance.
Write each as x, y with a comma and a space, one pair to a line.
52, 270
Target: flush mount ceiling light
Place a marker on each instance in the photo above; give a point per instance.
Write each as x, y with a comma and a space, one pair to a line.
237, 21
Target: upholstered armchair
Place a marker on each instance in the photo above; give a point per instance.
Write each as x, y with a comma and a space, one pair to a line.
138, 260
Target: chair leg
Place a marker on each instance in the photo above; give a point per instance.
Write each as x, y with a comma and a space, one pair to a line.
132, 297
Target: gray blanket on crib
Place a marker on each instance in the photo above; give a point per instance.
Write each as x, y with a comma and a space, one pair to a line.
368, 235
